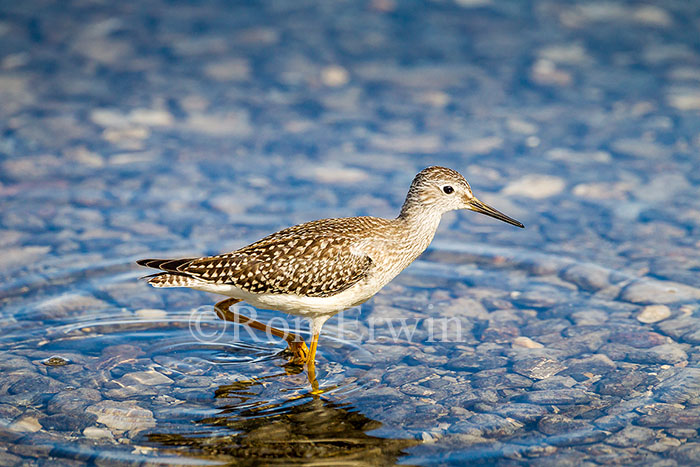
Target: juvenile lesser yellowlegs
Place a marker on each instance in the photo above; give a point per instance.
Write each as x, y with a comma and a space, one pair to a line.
320, 268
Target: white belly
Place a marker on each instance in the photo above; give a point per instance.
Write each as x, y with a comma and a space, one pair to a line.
297, 304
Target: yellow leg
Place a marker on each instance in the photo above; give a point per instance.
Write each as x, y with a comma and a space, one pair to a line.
311, 362
295, 343
311, 358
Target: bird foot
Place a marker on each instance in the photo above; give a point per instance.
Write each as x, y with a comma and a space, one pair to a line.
300, 352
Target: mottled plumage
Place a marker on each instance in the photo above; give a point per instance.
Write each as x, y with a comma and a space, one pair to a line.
319, 268
315, 259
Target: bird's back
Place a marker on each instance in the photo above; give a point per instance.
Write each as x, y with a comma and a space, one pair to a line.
315, 259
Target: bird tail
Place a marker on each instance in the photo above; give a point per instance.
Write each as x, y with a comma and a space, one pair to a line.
167, 279
171, 277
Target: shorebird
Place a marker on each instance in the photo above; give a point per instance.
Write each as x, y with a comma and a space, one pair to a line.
320, 268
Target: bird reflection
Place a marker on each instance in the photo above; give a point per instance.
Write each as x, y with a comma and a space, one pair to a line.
300, 428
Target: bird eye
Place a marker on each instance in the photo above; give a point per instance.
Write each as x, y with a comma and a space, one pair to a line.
448, 189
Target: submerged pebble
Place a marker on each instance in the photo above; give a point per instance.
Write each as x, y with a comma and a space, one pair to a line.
538, 367
654, 313
122, 416
194, 129
56, 360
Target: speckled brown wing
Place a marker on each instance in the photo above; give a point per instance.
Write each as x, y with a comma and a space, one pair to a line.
310, 259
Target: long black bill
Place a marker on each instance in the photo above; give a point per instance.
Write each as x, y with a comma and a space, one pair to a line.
478, 206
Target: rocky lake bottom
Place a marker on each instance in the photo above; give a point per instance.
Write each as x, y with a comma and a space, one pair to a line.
176, 128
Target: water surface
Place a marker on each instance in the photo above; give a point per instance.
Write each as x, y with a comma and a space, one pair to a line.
190, 128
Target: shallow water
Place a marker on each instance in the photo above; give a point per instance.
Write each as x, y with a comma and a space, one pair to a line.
189, 128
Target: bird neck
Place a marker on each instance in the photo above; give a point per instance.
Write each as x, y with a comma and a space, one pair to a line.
419, 224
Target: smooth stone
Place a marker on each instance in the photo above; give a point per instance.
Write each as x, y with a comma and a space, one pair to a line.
122, 416
616, 422
94, 432
430, 437
9, 459
589, 317
500, 334
15, 257
8, 412
557, 397
538, 367
682, 433
658, 292
664, 444
661, 354
334, 76
494, 425
500, 381
587, 276
11, 362
639, 148
639, 339
584, 343
536, 186
68, 422
684, 99
620, 383
234, 123
554, 382
632, 436
654, 314
616, 352
526, 413
25, 381
406, 374
151, 117
556, 424
424, 358
413, 389
409, 144
687, 454
130, 391
545, 327
652, 15
469, 398
580, 437
541, 296
147, 378
447, 382
151, 313
466, 427
128, 139
229, 69
68, 305
680, 387
680, 327
74, 400
194, 381
109, 118
585, 368
602, 190
27, 424
663, 415
383, 353
587, 330
546, 73
476, 362
692, 337
526, 343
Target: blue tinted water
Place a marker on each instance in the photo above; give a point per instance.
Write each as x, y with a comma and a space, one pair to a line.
192, 128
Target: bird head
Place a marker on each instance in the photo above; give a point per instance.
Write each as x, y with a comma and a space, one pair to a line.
443, 189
